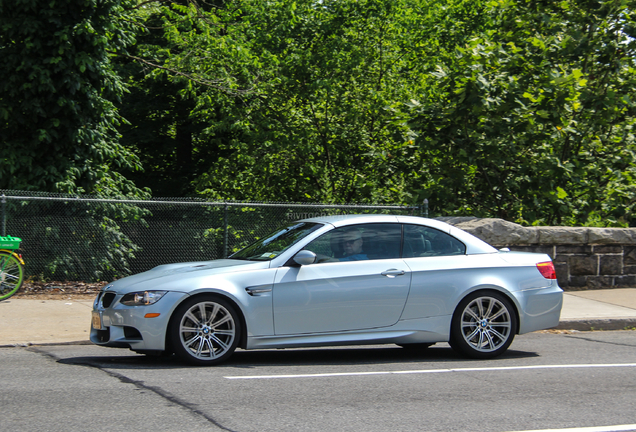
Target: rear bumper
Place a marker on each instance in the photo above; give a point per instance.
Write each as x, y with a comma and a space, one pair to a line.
540, 308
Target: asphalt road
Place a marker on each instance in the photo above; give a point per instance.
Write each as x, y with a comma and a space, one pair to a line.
545, 381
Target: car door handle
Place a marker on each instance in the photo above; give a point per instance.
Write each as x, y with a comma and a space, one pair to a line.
392, 273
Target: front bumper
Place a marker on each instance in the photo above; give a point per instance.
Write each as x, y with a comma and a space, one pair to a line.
123, 326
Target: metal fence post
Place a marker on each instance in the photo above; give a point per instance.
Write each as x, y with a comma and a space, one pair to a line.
225, 235
4, 215
425, 208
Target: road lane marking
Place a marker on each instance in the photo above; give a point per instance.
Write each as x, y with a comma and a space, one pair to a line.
430, 371
617, 428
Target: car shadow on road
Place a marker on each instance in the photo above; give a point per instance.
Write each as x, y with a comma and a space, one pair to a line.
355, 355
332, 356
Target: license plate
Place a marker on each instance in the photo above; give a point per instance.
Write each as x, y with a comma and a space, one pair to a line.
97, 320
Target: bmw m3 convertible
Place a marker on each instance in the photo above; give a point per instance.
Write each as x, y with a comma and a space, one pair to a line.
336, 280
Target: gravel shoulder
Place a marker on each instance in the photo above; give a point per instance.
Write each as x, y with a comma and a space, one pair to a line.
59, 290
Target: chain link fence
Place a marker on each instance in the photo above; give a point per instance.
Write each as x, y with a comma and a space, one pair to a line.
85, 238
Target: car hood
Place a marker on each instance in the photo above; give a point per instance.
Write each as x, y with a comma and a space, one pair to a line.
176, 276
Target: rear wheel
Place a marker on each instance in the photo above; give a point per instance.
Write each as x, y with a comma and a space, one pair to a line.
11, 275
484, 325
204, 330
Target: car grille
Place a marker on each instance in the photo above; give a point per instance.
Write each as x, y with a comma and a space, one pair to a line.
106, 299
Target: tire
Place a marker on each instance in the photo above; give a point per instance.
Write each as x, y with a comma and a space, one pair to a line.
483, 326
11, 275
204, 330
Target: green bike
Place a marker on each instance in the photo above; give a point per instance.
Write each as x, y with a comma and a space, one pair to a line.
11, 267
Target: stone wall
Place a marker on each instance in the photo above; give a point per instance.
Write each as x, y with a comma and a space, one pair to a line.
585, 258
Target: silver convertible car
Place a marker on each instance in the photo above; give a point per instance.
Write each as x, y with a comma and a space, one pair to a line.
337, 280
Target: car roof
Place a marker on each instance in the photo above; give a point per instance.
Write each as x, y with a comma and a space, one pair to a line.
350, 219
473, 244
343, 220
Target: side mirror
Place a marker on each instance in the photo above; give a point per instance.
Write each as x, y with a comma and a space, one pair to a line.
305, 257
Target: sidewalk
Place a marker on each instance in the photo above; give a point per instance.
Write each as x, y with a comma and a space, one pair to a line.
30, 321
608, 309
26, 321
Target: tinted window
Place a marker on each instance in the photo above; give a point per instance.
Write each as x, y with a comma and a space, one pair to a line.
422, 241
359, 242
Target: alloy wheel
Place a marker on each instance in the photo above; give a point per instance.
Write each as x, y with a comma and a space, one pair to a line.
208, 331
486, 324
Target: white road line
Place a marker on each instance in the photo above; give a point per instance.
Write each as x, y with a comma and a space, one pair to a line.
427, 371
617, 428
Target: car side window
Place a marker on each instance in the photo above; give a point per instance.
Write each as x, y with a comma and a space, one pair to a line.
421, 241
357, 243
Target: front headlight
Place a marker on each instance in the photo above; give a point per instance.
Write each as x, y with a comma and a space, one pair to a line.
142, 298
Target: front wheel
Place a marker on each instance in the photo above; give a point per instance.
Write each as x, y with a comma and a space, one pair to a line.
204, 330
11, 275
484, 325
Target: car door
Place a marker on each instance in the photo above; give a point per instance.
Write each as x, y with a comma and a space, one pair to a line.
365, 288
440, 271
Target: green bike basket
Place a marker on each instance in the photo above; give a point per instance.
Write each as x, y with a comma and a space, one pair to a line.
9, 242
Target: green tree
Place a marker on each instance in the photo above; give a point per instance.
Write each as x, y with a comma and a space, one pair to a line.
57, 119
531, 119
283, 100
521, 109
319, 123
185, 57
58, 128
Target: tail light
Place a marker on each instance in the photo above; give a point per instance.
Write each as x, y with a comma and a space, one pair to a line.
547, 269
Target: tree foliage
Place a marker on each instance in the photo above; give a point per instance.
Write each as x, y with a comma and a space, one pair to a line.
58, 128
297, 100
531, 119
57, 118
520, 109
187, 55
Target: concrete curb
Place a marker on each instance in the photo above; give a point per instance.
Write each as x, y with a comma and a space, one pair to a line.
28, 344
597, 324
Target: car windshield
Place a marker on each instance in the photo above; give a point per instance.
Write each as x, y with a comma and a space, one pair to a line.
269, 247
